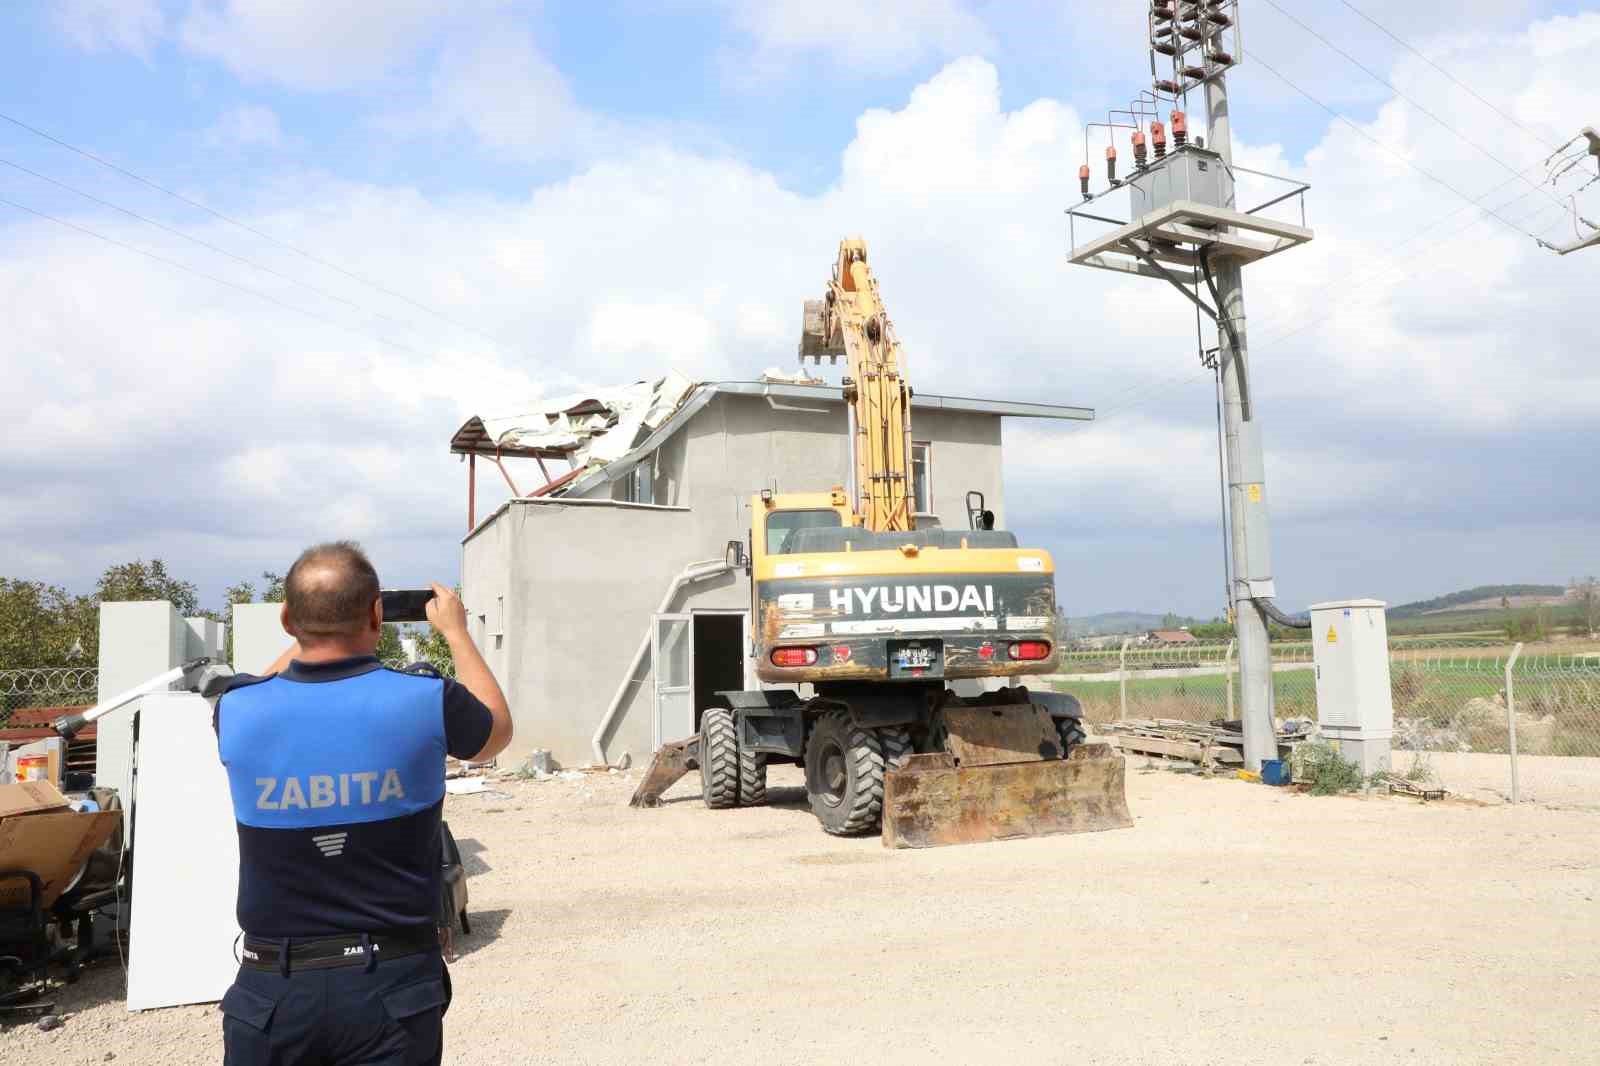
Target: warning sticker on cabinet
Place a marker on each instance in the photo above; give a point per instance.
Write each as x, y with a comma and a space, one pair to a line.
1255, 492
1333, 635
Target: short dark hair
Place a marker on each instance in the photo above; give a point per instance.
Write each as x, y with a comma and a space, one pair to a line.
330, 589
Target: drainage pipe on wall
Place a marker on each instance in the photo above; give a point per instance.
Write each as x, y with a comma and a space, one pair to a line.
691, 573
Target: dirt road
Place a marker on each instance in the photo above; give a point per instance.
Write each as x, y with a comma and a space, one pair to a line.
1234, 924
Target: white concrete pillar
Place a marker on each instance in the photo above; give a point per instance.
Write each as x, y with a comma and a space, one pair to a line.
207, 637
258, 636
137, 642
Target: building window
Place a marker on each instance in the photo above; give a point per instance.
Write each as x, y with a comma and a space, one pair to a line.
922, 477
640, 484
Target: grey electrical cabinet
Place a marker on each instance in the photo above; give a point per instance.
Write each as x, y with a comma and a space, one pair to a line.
1189, 173
1355, 707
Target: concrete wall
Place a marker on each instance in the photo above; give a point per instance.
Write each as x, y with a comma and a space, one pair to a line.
258, 636
137, 641
581, 578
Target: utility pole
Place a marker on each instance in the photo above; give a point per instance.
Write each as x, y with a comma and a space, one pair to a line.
1184, 226
1247, 500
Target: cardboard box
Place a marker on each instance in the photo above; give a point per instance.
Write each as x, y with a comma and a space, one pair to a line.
39, 832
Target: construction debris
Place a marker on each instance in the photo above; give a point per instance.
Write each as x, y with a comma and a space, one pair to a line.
1210, 746
596, 427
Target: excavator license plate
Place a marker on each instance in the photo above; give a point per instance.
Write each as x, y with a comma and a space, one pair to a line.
915, 658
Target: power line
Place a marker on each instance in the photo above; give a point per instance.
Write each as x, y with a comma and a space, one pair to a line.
1258, 61
125, 172
202, 243
1543, 141
1380, 79
257, 293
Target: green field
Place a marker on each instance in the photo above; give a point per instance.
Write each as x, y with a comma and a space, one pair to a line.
1189, 699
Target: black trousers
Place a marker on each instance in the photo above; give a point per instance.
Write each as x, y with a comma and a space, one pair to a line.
392, 1016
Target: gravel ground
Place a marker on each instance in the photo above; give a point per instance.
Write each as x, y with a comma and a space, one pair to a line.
1234, 924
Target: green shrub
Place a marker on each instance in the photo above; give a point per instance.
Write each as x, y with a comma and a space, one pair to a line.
1326, 770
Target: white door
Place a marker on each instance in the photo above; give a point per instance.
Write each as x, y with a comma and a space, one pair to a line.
672, 667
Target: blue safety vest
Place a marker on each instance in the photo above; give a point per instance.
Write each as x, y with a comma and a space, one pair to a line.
337, 776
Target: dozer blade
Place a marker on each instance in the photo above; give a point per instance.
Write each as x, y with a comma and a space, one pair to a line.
671, 763
931, 801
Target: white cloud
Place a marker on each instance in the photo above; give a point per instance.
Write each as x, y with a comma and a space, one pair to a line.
247, 126
313, 44
498, 85
658, 256
96, 25
884, 38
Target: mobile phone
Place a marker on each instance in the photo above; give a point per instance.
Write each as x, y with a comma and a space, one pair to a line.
405, 605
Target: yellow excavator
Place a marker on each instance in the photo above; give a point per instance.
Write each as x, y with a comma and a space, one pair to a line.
879, 618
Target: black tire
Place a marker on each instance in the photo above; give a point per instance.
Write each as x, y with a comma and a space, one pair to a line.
1070, 732
844, 775
896, 743
752, 778
719, 759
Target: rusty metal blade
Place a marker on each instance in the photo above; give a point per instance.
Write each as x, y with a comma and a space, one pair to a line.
671, 763
930, 807
1016, 732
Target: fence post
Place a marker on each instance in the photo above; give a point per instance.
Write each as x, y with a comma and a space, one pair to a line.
1227, 671
1122, 679
1511, 721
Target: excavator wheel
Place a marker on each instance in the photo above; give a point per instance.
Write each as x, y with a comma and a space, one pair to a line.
844, 775
1070, 730
719, 759
752, 779
897, 747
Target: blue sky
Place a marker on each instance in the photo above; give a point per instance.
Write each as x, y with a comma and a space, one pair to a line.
551, 175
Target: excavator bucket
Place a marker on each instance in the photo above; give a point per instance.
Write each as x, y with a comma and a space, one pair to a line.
816, 340
1003, 779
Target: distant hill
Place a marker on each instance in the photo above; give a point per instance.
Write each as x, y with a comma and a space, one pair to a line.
1481, 597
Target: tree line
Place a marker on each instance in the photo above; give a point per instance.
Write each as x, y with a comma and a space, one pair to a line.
45, 625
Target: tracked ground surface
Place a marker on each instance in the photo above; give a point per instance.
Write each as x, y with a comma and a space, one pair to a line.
1234, 924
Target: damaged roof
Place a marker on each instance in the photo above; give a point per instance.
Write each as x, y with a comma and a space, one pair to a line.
605, 433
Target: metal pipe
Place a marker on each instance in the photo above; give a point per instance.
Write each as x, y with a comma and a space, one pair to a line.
70, 725
693, 572
1511, 722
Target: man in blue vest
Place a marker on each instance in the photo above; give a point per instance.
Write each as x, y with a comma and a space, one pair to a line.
336, 768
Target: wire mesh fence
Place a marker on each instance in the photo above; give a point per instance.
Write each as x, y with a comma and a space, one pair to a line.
45, 687
1477, 717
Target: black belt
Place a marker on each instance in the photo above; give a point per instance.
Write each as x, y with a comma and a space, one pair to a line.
327, 952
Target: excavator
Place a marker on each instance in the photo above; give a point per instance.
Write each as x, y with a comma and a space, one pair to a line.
883, 621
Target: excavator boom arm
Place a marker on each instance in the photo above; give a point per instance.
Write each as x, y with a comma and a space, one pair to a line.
850, 320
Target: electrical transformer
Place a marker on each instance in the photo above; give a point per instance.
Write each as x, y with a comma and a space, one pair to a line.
1189, 173
1355, 708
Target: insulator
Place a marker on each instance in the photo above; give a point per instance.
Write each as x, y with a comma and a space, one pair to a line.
1221, 59
1111, 163
1218, 18
1169, 87
1140, 152
1197, 73
1180, 129
1191, 33
1161, 11
1083, 179
1158, 137
1189, 13
1164, 46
